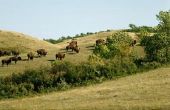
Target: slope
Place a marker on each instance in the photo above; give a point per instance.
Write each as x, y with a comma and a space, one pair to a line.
10, 40
146, 91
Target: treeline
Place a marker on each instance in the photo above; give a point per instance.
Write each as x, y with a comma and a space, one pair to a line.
134, 28
61, 39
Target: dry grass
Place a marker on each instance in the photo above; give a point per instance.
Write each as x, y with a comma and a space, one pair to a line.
21, 42
147, 91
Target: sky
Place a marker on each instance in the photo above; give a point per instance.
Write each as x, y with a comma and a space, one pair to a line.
56, 18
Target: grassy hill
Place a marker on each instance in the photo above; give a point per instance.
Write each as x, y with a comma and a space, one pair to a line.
146, 91
10, 40
17, 41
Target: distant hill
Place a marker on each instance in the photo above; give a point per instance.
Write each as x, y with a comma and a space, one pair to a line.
10, 40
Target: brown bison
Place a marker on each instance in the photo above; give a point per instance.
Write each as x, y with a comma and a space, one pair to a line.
73, 48
60, 56
6, 61
73, 42
15, 53
15, 58
42, 52
69, 47
1, 53
100, 41
76, 49
30, 56
5, 52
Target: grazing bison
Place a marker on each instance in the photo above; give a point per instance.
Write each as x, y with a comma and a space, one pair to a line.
76, 49
6, 61
5, 52
15, 58
1, 53
60, 56
100, 41
30, 56
69, 47
15, 53
73, 48
41, 52
73, 42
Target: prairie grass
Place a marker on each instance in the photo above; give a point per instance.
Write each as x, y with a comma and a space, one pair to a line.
146, 91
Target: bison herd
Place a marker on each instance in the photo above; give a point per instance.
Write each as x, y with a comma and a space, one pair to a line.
73, 46
14, 55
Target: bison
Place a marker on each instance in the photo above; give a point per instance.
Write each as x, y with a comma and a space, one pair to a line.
15, 53
60, 56
100, 41
15, 58
5, 52
30, 56
76, 49
6, 61
69, 47
1, 53
73, 42
42, 52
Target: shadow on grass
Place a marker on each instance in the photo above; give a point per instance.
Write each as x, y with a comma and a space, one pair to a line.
51, 60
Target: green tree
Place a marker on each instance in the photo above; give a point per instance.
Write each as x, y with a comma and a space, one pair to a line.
157, 46
117, 45
164, 22
133, 27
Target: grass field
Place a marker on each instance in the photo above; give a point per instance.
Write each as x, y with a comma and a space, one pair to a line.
146, 91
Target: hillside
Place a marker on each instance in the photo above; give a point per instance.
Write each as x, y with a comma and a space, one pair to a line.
146, 91
9, 39
17, 41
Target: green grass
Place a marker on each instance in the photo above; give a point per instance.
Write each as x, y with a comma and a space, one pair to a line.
146, 91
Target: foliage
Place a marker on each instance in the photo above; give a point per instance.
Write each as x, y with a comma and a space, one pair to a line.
157, 46
164, 22
134, 28
117, 44
61, 39
53, 41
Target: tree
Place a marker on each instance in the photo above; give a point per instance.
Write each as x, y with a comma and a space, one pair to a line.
157, 46
133, 27
117, 45
164, 22
153, 46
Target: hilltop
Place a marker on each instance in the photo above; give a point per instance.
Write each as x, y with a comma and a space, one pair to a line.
10, 40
